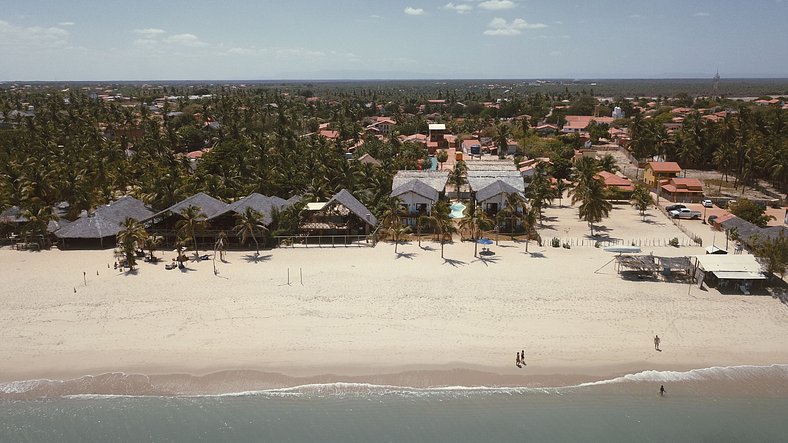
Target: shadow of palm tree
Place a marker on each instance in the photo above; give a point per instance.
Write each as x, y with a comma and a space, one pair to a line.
428, 248
453, 262
408, 255
535, 254
252, 258
487, 260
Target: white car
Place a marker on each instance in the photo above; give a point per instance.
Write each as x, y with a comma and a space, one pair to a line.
707, 204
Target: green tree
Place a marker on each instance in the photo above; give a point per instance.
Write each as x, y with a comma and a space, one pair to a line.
192, 222
751, 211
594, 207
774, 253
152, 243
37, 224
641, 199
475, 221
457, 176
442, 156
247, 224
513, 209
398, 232
131, 236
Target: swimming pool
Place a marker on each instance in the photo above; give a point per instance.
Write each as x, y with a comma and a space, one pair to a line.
456, 210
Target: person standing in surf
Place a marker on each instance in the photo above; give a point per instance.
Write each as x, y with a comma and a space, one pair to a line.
662, 390
656, 343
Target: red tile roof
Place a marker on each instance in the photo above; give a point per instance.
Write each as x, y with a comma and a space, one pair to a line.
664, 167
616, 181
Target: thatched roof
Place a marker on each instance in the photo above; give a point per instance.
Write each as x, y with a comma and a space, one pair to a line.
346, 199
258, 202
749, 232
435, 179
208, 205
12, 215
675, 263
640, 263
418, 187
495, 188
105, 220
479, 180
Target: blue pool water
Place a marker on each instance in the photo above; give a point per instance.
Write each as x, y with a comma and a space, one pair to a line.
456, 210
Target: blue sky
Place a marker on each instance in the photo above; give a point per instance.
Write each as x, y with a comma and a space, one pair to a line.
311, 39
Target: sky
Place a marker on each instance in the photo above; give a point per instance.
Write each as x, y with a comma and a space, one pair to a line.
390, 39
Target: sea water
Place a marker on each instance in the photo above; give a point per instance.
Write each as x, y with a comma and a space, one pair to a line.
618, 410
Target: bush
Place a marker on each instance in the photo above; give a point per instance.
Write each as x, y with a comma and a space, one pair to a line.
674, 242
555, 242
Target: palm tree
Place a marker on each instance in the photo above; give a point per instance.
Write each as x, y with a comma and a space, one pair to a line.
594, 206
440, 219
475, 221
393, 211
641, 198
220, 246
247, 223
38, 220
192, 221
457, 176
398, 231
442, 156
152, 243
561, 187
513, 209
502, 139
131, 236
529, 225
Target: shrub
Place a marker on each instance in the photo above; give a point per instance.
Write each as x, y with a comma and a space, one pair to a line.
674, 242
555, 242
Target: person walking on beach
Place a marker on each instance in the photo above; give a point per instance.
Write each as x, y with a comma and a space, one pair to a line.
656, 343
522, 358
662, 390
518, 361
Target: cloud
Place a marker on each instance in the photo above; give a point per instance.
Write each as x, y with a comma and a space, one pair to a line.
500, 27
31, 38
66, 24
414, 11
463, 8
497, 5
558, 22
634, 16
149, 32
701, 14
185, 40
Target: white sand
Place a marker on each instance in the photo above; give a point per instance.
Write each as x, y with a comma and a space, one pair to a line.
365, 310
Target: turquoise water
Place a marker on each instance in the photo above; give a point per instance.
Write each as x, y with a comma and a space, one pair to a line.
447, 417
433, 164
457, 209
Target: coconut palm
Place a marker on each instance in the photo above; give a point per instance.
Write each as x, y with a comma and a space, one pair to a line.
475, 221
442, 156
38, 220
561, 187
131, 236
457, 176
513, 209
439, 218
528, 219
247, 224
152, 243
398, 232
594, 206
192, 221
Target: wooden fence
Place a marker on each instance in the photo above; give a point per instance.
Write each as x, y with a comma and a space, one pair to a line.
323, 241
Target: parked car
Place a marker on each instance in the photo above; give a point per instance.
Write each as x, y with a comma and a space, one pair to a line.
707, 204
685, 213
674, 207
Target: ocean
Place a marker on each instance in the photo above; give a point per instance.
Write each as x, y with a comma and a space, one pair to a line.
696, 407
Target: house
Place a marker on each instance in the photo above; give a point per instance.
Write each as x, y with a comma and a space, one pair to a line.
737, 272
163, 223
417, 198
384, 125
471, 147
367, 159
225, 219
436, 138
579, 123
655, 172
98, 229
435, 179
685, 190
616, 183
343, 215
746, 232
492, 198
331, 135
546, 129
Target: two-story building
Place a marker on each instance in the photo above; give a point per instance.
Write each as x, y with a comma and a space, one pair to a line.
418, 191
656, 172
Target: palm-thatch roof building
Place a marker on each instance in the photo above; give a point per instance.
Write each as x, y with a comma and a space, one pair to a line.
343, 215
99, 228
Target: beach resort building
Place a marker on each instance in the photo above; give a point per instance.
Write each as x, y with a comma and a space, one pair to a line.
419, 191
342, 217
579, 123
684, 190
615, 183
490, 181
99, 228
163, 223
730, 273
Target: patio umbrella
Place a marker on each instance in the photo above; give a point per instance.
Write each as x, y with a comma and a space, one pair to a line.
483, 241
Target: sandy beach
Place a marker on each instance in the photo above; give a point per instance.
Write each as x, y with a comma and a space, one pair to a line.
363, 312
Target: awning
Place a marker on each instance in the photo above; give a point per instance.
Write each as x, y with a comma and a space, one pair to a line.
742, 275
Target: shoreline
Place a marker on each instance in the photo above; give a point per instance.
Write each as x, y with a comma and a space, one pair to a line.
732, 381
